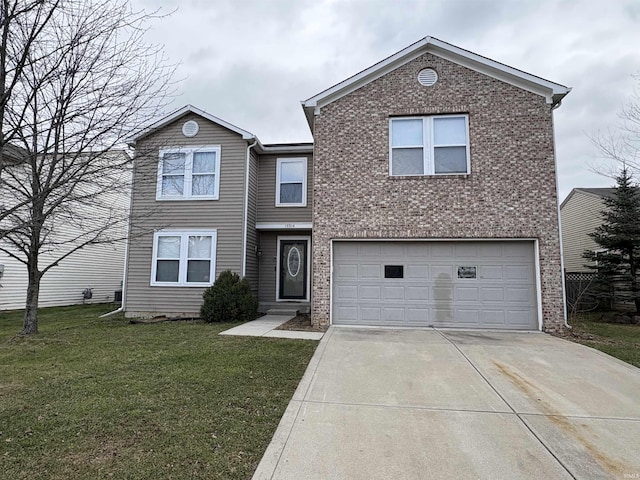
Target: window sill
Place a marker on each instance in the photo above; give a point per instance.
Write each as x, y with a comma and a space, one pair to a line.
291, 205
185, 199
438, 175
165, 284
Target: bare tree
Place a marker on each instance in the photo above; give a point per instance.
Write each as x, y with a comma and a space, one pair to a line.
77, 80
622, 143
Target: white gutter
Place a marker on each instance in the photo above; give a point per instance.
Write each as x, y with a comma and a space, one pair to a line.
126, 256
246, 208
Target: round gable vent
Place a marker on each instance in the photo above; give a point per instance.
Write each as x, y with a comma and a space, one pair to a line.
190, 128
427, 77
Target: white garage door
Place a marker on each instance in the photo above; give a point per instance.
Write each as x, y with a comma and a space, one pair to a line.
442, 284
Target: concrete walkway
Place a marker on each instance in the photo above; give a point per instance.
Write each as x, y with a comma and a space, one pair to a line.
265, 327
414, 404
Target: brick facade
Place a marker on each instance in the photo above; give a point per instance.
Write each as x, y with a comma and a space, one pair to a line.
510, 193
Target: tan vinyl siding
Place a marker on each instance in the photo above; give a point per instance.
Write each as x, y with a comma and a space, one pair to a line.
224, 215
267, 210
252, 233
579, 216
268, 263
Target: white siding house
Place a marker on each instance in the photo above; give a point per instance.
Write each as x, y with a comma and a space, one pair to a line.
96, 267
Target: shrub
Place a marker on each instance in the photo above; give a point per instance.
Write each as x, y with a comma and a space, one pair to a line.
229, 299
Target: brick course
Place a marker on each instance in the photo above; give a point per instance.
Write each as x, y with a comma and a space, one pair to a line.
510, 193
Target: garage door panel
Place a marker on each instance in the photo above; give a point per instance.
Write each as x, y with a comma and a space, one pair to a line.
393, 315
346, 292
428, 290
371, 271
466, 294
347, 315
517, 272
466, 250
393, 293
417, 293
371, 314
416, 272
442, 272
491, 272
467, 317
417, 316
346, 271
492, 294
518, 295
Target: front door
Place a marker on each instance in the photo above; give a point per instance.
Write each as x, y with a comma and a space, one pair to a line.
293, 269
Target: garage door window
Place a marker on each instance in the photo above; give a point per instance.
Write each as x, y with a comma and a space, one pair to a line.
436, 145
394, 271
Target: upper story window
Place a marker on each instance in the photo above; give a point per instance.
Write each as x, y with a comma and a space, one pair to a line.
291, 182
435, 145
185, 258
189, 173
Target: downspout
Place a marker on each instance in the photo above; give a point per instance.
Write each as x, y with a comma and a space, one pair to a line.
126, 256
555, 162
246, 208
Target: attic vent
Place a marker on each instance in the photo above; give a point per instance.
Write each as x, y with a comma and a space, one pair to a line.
190, 128
427, 77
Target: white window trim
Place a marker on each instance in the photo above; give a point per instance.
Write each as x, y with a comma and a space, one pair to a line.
428, 146
184, 246
280, 161
188, 173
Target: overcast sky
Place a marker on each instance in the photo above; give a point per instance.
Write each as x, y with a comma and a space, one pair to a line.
251, 62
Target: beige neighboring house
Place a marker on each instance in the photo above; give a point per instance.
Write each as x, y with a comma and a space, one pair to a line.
428, 198
98, 268
580, 215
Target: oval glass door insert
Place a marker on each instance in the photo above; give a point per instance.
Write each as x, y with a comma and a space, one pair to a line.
293, 262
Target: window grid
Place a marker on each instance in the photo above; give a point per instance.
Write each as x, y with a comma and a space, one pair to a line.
428, 145
184, 257
302, 182
188, 174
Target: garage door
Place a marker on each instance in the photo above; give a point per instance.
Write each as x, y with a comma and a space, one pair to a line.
443, 284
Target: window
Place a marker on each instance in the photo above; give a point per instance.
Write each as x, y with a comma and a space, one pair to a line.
184, 258
189, 174
291, 182
436, 145
394, 271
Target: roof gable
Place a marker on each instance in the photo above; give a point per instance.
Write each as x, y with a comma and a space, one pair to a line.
163, 122
553, 92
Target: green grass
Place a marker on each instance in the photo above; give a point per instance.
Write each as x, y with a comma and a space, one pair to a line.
91, 398
620, 341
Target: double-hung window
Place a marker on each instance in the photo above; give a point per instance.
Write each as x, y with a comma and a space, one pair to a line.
435, 145
184, 258
291, 182
189, 174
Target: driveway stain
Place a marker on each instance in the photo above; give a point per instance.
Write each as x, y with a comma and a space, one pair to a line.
562, 422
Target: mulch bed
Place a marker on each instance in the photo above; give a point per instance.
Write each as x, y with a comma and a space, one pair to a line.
301, 323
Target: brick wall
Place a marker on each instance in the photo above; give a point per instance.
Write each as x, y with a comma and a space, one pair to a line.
510, 193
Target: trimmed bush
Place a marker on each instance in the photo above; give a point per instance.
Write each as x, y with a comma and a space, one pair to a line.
229, 299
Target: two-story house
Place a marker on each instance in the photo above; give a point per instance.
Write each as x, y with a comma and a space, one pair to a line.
427, 199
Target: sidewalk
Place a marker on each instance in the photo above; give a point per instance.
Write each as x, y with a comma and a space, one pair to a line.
265, 327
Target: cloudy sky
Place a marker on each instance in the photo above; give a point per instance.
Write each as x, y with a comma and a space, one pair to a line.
251, 62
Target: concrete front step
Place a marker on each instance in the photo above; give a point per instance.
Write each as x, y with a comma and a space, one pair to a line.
283, 311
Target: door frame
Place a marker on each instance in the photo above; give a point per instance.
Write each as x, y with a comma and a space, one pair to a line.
307, 266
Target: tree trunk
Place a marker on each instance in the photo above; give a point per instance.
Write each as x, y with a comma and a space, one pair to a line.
30, 322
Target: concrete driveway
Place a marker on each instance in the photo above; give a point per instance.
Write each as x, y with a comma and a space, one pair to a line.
415, 404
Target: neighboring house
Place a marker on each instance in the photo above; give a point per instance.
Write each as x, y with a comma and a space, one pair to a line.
429, 198
98, 268
580, 215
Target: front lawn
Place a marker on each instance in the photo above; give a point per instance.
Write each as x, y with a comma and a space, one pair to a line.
620, 341
91, 398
